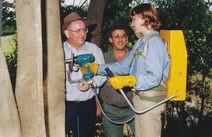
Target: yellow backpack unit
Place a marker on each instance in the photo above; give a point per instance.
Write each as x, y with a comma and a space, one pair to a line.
176, 83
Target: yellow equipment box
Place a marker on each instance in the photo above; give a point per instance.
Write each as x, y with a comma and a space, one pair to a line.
176, 84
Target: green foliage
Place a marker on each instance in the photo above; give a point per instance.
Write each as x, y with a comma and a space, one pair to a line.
11, 59
65, 10
195, 19
7, 43
8, 20
115, 10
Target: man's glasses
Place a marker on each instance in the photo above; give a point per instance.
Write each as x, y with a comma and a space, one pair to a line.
84, 30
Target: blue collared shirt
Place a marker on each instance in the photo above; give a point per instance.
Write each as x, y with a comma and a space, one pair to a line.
149, 69
72, 92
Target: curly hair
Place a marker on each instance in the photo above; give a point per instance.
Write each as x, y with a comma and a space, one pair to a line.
149, 13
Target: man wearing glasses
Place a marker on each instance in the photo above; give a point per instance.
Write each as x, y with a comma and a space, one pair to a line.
80, 105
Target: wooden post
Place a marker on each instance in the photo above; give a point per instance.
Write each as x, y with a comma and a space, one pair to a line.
55, 71
10, 124
29, 84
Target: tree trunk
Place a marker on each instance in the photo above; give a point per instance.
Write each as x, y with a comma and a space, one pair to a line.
55, 72
29, 84
96, 11
10, 124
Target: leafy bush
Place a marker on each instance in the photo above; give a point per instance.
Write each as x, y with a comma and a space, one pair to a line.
11, 59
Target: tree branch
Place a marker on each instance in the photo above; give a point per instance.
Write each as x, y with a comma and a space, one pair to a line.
9, 5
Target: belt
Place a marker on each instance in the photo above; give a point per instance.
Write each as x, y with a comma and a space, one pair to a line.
81, 102
154, 96
150, 93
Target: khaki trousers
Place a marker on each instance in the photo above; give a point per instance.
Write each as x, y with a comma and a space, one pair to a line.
148, 124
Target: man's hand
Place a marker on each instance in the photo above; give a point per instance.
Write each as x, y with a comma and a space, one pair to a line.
83, 86
118, 82
93, 67
98, 111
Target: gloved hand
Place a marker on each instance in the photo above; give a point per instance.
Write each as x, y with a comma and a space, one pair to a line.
93, 67
118, 82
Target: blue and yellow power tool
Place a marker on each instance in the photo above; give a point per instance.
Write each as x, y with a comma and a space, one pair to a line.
81, 60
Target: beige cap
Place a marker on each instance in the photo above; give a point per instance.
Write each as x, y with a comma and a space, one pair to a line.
73, 16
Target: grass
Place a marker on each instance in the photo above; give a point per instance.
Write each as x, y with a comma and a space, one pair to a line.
8, 43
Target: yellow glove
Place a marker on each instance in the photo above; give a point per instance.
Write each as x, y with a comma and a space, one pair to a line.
118, 82
93, 67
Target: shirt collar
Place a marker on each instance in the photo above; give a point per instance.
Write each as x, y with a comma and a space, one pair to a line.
70, 48
150, 33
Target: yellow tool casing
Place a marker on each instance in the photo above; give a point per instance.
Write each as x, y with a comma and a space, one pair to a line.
176, 83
